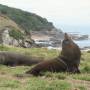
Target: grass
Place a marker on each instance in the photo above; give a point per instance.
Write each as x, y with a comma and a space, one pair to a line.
44, 53
14, 78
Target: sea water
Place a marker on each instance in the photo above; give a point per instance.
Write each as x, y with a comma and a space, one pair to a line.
83, 43
83, 31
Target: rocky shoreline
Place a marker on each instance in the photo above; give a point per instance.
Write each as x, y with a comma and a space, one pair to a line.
53, 38
46, 38
79, 37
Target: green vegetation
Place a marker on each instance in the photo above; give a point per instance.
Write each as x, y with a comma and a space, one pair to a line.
13, 30
14, 78
36, 52
16, 34
27, 21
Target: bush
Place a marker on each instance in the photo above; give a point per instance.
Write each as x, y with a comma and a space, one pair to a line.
16, 34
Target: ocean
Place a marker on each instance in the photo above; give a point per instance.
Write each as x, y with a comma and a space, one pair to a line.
83, 43
79, 30
76, 29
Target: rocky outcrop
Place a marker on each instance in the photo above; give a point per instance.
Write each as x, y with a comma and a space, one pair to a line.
6, 39
45, 38
11, 34
79, 36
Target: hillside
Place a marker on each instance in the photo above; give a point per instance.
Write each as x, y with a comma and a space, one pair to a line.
33, 25
12, 34
26, 20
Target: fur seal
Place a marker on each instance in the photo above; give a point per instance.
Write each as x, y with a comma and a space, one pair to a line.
14, 59
71, 54
68, 60
54, 65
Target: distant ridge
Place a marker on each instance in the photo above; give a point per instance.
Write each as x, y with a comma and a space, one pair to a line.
22, 25
26, 20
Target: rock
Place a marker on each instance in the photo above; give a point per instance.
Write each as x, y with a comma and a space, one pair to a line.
11, 34
79, 37
7, 40
45, 38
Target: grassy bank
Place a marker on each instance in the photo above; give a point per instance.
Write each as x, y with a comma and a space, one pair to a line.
13, 78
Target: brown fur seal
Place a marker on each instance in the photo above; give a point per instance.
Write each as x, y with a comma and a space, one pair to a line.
68, 60
14, 59
71, 54
54, 65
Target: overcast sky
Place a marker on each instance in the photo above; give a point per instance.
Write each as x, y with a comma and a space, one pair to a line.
60, 12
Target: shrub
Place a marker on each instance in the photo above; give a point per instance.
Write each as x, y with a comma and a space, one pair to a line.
16, 34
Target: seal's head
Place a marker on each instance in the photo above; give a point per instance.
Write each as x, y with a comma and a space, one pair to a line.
67, 41
66, 36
